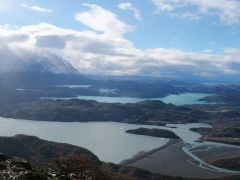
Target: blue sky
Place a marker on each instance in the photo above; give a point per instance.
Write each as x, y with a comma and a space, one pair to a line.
159, 29
189, 33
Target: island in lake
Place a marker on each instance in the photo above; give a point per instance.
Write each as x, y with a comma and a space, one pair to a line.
153, 132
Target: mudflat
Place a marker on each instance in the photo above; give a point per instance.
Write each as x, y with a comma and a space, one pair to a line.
211, 154
172, 160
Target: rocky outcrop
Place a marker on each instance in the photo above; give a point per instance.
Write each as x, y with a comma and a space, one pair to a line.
17, 168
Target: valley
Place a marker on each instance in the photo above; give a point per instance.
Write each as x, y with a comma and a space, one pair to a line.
72, 111
120, 90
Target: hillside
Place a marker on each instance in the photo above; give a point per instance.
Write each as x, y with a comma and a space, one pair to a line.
147, 112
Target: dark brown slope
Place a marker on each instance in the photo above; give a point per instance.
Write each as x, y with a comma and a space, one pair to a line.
41, 151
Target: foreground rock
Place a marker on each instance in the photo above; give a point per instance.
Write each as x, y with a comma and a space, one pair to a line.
17, 168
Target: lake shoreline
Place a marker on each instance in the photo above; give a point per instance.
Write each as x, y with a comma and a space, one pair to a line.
185, 98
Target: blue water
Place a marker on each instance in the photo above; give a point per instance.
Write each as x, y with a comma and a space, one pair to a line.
185, 98
105, 139
180, 99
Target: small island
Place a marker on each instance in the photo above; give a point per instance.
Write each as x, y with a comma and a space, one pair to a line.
163, 133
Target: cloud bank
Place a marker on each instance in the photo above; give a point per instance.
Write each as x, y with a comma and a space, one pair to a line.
103, 49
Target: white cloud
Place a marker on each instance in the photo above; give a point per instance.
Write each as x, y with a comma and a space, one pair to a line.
37, 8
102, 20
94, 53
129, 6
228, 11
109, 52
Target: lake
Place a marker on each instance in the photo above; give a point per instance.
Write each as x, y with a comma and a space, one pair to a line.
107, 140
180, 99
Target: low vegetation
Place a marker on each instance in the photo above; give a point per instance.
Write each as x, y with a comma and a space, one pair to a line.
228, 163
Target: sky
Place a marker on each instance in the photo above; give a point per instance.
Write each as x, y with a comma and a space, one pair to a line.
162, 38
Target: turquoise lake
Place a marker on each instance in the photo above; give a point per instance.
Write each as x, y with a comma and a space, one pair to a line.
180, 99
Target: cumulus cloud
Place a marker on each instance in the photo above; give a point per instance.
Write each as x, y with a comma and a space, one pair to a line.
129, 6
102, 20
104, 49
228, 11
37, 8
